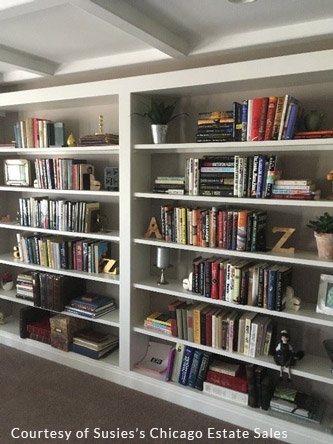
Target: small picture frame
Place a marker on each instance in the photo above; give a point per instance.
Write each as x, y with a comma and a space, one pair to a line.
111, 178
17, 172
325, 295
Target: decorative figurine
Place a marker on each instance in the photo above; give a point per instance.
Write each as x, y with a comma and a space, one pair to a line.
292, 301
285, 355
71, 140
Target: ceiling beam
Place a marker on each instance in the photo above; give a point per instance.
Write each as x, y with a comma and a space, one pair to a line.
28, 7
132, 21
27, 62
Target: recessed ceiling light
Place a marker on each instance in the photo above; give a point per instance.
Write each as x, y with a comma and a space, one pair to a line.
241, 1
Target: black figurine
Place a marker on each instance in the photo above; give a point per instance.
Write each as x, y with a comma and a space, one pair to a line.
285, 355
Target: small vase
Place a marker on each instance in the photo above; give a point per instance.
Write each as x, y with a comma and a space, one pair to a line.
324, 245
7, 285
312, 120
159, 133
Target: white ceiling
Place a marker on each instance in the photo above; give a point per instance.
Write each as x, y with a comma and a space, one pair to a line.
61, 38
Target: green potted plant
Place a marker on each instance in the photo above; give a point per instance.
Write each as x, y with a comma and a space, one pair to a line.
322, 227
160, 114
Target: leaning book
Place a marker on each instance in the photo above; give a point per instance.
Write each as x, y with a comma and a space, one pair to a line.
156, 357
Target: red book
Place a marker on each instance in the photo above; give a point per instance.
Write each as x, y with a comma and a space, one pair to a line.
214, 290
222, 266
263, 118
172, 307
238, 383
272, 101
221, 229
209, 329
256, 116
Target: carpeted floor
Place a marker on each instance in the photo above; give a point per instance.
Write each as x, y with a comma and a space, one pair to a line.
38, 395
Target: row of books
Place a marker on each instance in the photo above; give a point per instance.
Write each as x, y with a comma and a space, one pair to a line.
215, 227
268, 118
217, 376
91, 305
227, 329
242, 281
62, 252
63, 173
252, 120
59, 214
237, 176
171, 360
35, 132
48, 290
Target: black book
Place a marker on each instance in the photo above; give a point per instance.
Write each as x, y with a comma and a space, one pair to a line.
205, 361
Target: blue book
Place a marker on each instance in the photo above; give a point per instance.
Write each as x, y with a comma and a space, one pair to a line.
186, 365
196, 362
244, 121
271, 290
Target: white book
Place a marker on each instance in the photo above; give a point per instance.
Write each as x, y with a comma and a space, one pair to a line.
247, 331
225, 393
177, 364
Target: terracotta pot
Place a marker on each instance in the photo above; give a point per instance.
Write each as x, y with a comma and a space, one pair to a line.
324, 245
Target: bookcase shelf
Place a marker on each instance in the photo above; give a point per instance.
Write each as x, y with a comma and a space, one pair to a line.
307, 77
290, 146
306, 258
112, 235
8, 335
310, 367
238, 200
307, 312
80, 193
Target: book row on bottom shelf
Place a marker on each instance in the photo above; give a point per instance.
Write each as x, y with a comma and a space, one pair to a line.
230, 380
66, 333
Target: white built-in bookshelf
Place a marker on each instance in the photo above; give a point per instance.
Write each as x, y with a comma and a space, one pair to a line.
128, 213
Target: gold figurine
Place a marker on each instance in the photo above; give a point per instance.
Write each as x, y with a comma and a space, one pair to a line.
100, 126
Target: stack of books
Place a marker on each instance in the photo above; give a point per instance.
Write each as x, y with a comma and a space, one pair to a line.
99, 140
216, 175
24, 286
40, 330
169, 185
94, 344
321, 134
91, 305
295, 403
295, 189
159, 323
215, 127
